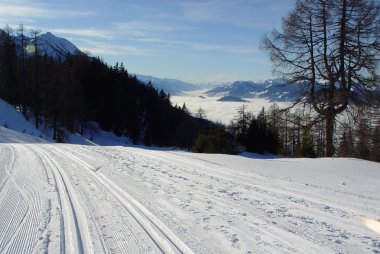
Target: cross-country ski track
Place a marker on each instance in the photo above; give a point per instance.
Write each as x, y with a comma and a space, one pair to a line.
61, 198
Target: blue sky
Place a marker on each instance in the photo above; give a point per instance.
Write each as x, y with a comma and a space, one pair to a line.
191, 40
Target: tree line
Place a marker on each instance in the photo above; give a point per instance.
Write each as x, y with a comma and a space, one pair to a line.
331, 48
77, 93
294, 132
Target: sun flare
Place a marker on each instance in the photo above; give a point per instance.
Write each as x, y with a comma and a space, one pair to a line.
373, 225
30, 49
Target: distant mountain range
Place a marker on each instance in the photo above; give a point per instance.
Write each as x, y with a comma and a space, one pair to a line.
171, 86
272, 89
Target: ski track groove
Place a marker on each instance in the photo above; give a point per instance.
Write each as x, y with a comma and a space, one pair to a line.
161, 235
116, 241
31, 228
9, 153
26, 231
75, 237
15, 215
26, 237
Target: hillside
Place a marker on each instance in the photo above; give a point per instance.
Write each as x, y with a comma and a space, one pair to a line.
91, 199
14, 120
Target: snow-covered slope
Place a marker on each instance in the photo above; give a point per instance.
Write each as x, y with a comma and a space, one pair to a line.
14, 120
11, 136
14, 124
55, 46
60, 198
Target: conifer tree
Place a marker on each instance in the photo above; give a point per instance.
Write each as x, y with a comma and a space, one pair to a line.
363, 139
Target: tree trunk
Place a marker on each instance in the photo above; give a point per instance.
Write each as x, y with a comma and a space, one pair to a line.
55, 127
329, 146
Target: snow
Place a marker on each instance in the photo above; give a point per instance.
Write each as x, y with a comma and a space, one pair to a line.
64, 198
104, 197
55, 46
14, 120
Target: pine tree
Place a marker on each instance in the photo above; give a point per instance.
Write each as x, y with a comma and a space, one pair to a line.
240, 124
8, 77
22, 69
260, 137
363, 139
306, 148
346, 144
201, 113
34, 49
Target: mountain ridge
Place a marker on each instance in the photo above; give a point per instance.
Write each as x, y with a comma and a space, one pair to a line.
169, 85
48, 44
272, 89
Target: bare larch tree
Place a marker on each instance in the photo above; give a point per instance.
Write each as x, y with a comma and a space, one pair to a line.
332, 46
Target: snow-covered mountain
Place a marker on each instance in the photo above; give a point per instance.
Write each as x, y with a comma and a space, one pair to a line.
276, 90
55, 46
48, 44
171, 86
272, 89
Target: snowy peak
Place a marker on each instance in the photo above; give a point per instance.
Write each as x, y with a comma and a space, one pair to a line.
48, 44
55, 46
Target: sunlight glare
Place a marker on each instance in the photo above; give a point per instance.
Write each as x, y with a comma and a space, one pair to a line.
30, 49
373, 225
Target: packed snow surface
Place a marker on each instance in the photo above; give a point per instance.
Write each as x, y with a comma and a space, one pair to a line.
61, 198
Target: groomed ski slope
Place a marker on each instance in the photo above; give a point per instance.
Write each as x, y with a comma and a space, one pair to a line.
60, 198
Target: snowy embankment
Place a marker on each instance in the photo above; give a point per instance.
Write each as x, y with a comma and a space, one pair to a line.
14, 120
92, 199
